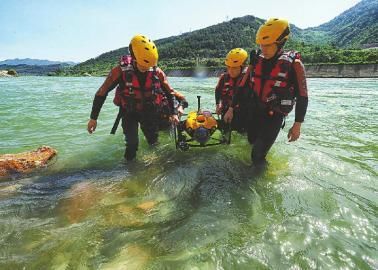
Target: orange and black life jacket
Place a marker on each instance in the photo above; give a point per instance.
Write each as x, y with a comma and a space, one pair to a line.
132, 96
276, 92
229, 89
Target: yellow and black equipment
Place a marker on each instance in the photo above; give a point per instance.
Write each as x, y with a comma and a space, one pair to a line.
198, 128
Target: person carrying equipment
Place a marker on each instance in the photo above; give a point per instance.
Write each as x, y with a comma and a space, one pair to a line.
143, 95
227, 86
274, 82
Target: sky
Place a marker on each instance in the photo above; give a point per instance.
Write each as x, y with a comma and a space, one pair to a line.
77, 30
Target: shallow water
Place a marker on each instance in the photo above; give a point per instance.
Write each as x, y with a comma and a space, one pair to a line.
315, 207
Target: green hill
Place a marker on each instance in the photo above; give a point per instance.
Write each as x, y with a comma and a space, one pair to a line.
337, 41
354, 27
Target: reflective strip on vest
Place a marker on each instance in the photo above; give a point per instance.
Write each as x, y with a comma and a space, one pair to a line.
277, 84
286, 102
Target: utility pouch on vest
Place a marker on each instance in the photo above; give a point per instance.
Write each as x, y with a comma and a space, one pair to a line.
281, 100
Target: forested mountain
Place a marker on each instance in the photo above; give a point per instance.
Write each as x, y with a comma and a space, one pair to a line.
354, 27
337, 41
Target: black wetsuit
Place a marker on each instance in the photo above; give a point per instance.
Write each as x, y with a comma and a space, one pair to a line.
148, 118
149, 123
263, 128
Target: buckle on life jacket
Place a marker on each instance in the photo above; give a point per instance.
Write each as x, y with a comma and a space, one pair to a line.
226, 91
285, 57
277, 83
271, 98
287, 102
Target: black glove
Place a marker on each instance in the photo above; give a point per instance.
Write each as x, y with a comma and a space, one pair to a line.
253, 57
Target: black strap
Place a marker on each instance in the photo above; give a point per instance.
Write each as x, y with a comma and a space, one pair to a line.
142, 78
116, 122
283, 123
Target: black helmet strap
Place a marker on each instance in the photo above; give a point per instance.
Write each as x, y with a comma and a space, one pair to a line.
284, 34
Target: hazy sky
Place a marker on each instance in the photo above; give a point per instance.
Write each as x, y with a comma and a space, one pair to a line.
73, 30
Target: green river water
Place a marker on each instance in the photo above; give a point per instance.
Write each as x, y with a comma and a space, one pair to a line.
315, 207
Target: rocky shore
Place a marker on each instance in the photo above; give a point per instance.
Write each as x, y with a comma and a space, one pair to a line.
8, 73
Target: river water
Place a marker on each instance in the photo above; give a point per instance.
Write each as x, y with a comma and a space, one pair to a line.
314, 207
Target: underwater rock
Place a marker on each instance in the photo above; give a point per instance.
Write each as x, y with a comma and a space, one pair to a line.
26, 162
147, 206
81, 198
130, 257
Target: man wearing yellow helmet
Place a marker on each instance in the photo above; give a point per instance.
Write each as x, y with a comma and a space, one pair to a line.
143, 95
227, 86
274, 82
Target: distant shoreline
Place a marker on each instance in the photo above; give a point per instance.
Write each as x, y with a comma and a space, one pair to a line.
312, 71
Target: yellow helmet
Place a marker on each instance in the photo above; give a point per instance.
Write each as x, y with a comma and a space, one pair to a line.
272, 31
236, 57
144, 50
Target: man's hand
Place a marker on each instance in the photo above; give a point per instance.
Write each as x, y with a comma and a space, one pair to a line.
294, 132
229, 115
92, 124
180, 110
174, 119
218, 109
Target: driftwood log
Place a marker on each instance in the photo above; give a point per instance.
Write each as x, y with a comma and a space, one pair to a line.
25, 162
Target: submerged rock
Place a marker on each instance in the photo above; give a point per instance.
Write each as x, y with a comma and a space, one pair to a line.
81, 198
25, 162
130, 257
147, 206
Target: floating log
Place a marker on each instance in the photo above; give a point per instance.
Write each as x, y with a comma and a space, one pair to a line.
26, 162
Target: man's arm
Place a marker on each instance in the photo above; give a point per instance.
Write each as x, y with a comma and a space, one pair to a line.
301, 94
168, 90
218, 89
109, 84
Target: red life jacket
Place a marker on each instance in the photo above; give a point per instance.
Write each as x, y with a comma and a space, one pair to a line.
131, 96
277, 93
229, 89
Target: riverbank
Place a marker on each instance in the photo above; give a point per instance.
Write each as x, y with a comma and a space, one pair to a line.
312, 71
